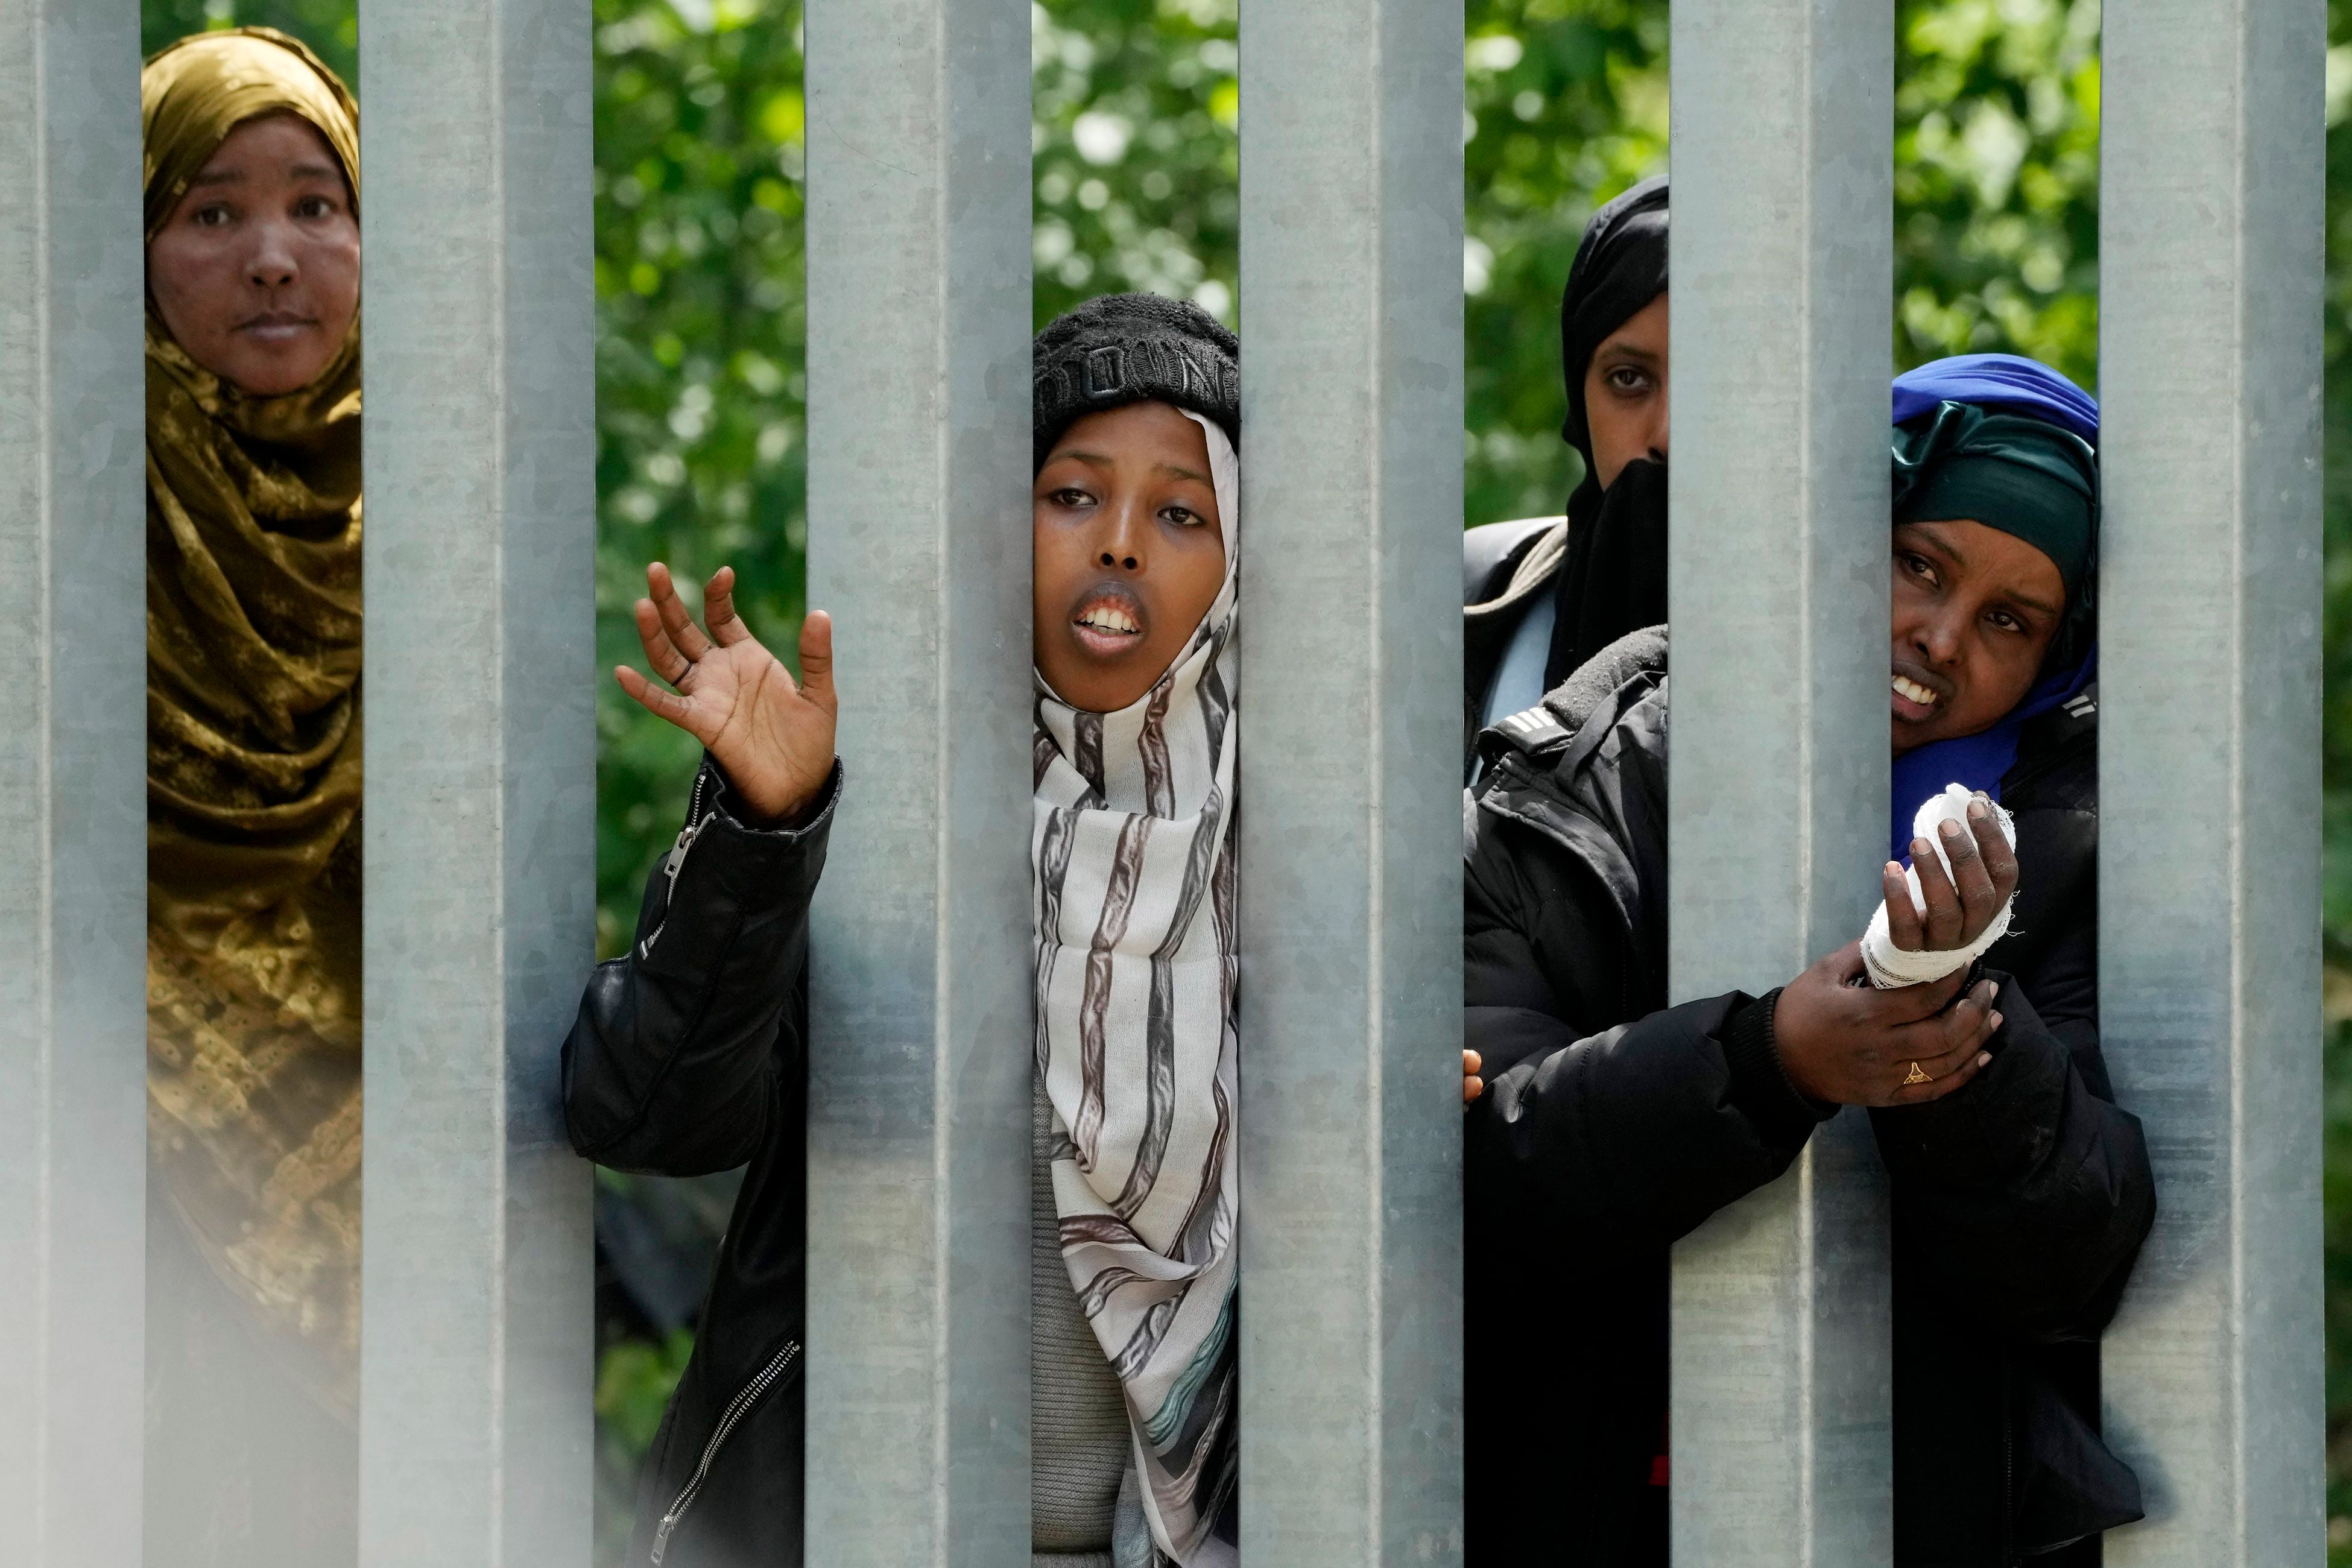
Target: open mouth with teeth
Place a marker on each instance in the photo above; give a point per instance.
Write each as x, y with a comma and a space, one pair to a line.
1914, 700
1108, 621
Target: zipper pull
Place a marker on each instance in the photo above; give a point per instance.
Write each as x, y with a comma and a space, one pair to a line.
694, 821
685, 836
661, 1537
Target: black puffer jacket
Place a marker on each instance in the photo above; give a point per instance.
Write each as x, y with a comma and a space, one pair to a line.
1613, 1124
688, 1056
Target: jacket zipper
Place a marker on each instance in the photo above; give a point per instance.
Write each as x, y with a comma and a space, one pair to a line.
676, 860
736, 1409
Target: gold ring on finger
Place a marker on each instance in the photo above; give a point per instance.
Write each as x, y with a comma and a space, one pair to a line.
1918, 1074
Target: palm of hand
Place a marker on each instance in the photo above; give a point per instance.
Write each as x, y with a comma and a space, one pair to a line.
774, 743
772, 736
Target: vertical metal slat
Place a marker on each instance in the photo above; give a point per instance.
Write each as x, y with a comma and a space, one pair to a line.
1783, 274
2212, 171
1350, 794
475, 1369
73, 1034
918, 303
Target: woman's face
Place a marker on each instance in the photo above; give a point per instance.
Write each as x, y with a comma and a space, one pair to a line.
1975, 611
1625, 393
1129, 551
256, 272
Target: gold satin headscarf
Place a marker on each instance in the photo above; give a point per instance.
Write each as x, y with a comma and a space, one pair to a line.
253, 765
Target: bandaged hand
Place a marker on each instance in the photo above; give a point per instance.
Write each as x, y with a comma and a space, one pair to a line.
1955, 901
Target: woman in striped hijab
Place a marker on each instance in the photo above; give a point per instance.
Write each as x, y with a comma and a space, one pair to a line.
1133, 1280
1133, 1198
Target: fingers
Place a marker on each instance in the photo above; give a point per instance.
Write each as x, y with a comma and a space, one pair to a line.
683, 633
1953, 1034
661, 704
727, 627
2000, 860
1903, 925
1473, 1086
1978, 902
1939, 1085
660, 653
1952, 1051
1943, 902
816, 661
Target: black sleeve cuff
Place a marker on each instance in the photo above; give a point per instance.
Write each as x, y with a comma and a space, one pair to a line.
1759, 1090
725, 802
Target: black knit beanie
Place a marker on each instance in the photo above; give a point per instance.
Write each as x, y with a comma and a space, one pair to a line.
1134, 348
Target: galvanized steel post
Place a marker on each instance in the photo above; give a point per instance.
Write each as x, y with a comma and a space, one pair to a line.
2211, 196
476, 1352
1350, 800
73, 811
1782, 273
918, 305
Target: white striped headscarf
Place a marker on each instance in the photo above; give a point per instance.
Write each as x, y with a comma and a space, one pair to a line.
1132, 856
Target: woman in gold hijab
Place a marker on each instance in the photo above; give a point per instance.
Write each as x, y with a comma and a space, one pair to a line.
253, 779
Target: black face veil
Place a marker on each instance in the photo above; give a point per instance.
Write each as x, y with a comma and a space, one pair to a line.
1615, 579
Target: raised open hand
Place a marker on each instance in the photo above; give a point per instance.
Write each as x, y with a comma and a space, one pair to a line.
771, 737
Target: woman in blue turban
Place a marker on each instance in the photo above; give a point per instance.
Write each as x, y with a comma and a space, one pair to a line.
1610, 1123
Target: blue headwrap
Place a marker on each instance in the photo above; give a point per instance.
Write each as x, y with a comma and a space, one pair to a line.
2012, 384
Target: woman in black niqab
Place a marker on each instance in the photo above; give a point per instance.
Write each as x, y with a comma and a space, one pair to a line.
1615, 579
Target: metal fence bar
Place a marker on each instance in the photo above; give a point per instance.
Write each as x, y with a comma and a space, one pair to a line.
1349, 791
73, 1034
1783, 277
918, 304
475, 1354
2210, 220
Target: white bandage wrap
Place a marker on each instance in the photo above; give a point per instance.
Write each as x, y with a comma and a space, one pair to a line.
1890, 966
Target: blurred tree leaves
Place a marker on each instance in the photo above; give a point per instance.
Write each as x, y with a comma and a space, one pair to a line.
700, 380
1135, 163
1996, 180
1565, 106
331, 27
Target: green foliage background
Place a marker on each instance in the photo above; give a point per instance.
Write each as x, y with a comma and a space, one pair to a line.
700, 389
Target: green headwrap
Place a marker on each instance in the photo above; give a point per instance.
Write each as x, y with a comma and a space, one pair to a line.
2020, 475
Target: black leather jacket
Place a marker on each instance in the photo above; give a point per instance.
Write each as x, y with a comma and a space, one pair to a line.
1615, 1123
689, 1056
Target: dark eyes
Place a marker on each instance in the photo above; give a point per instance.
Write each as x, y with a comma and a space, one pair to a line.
1626, 380
1070, 499
220, 215
1919, 566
